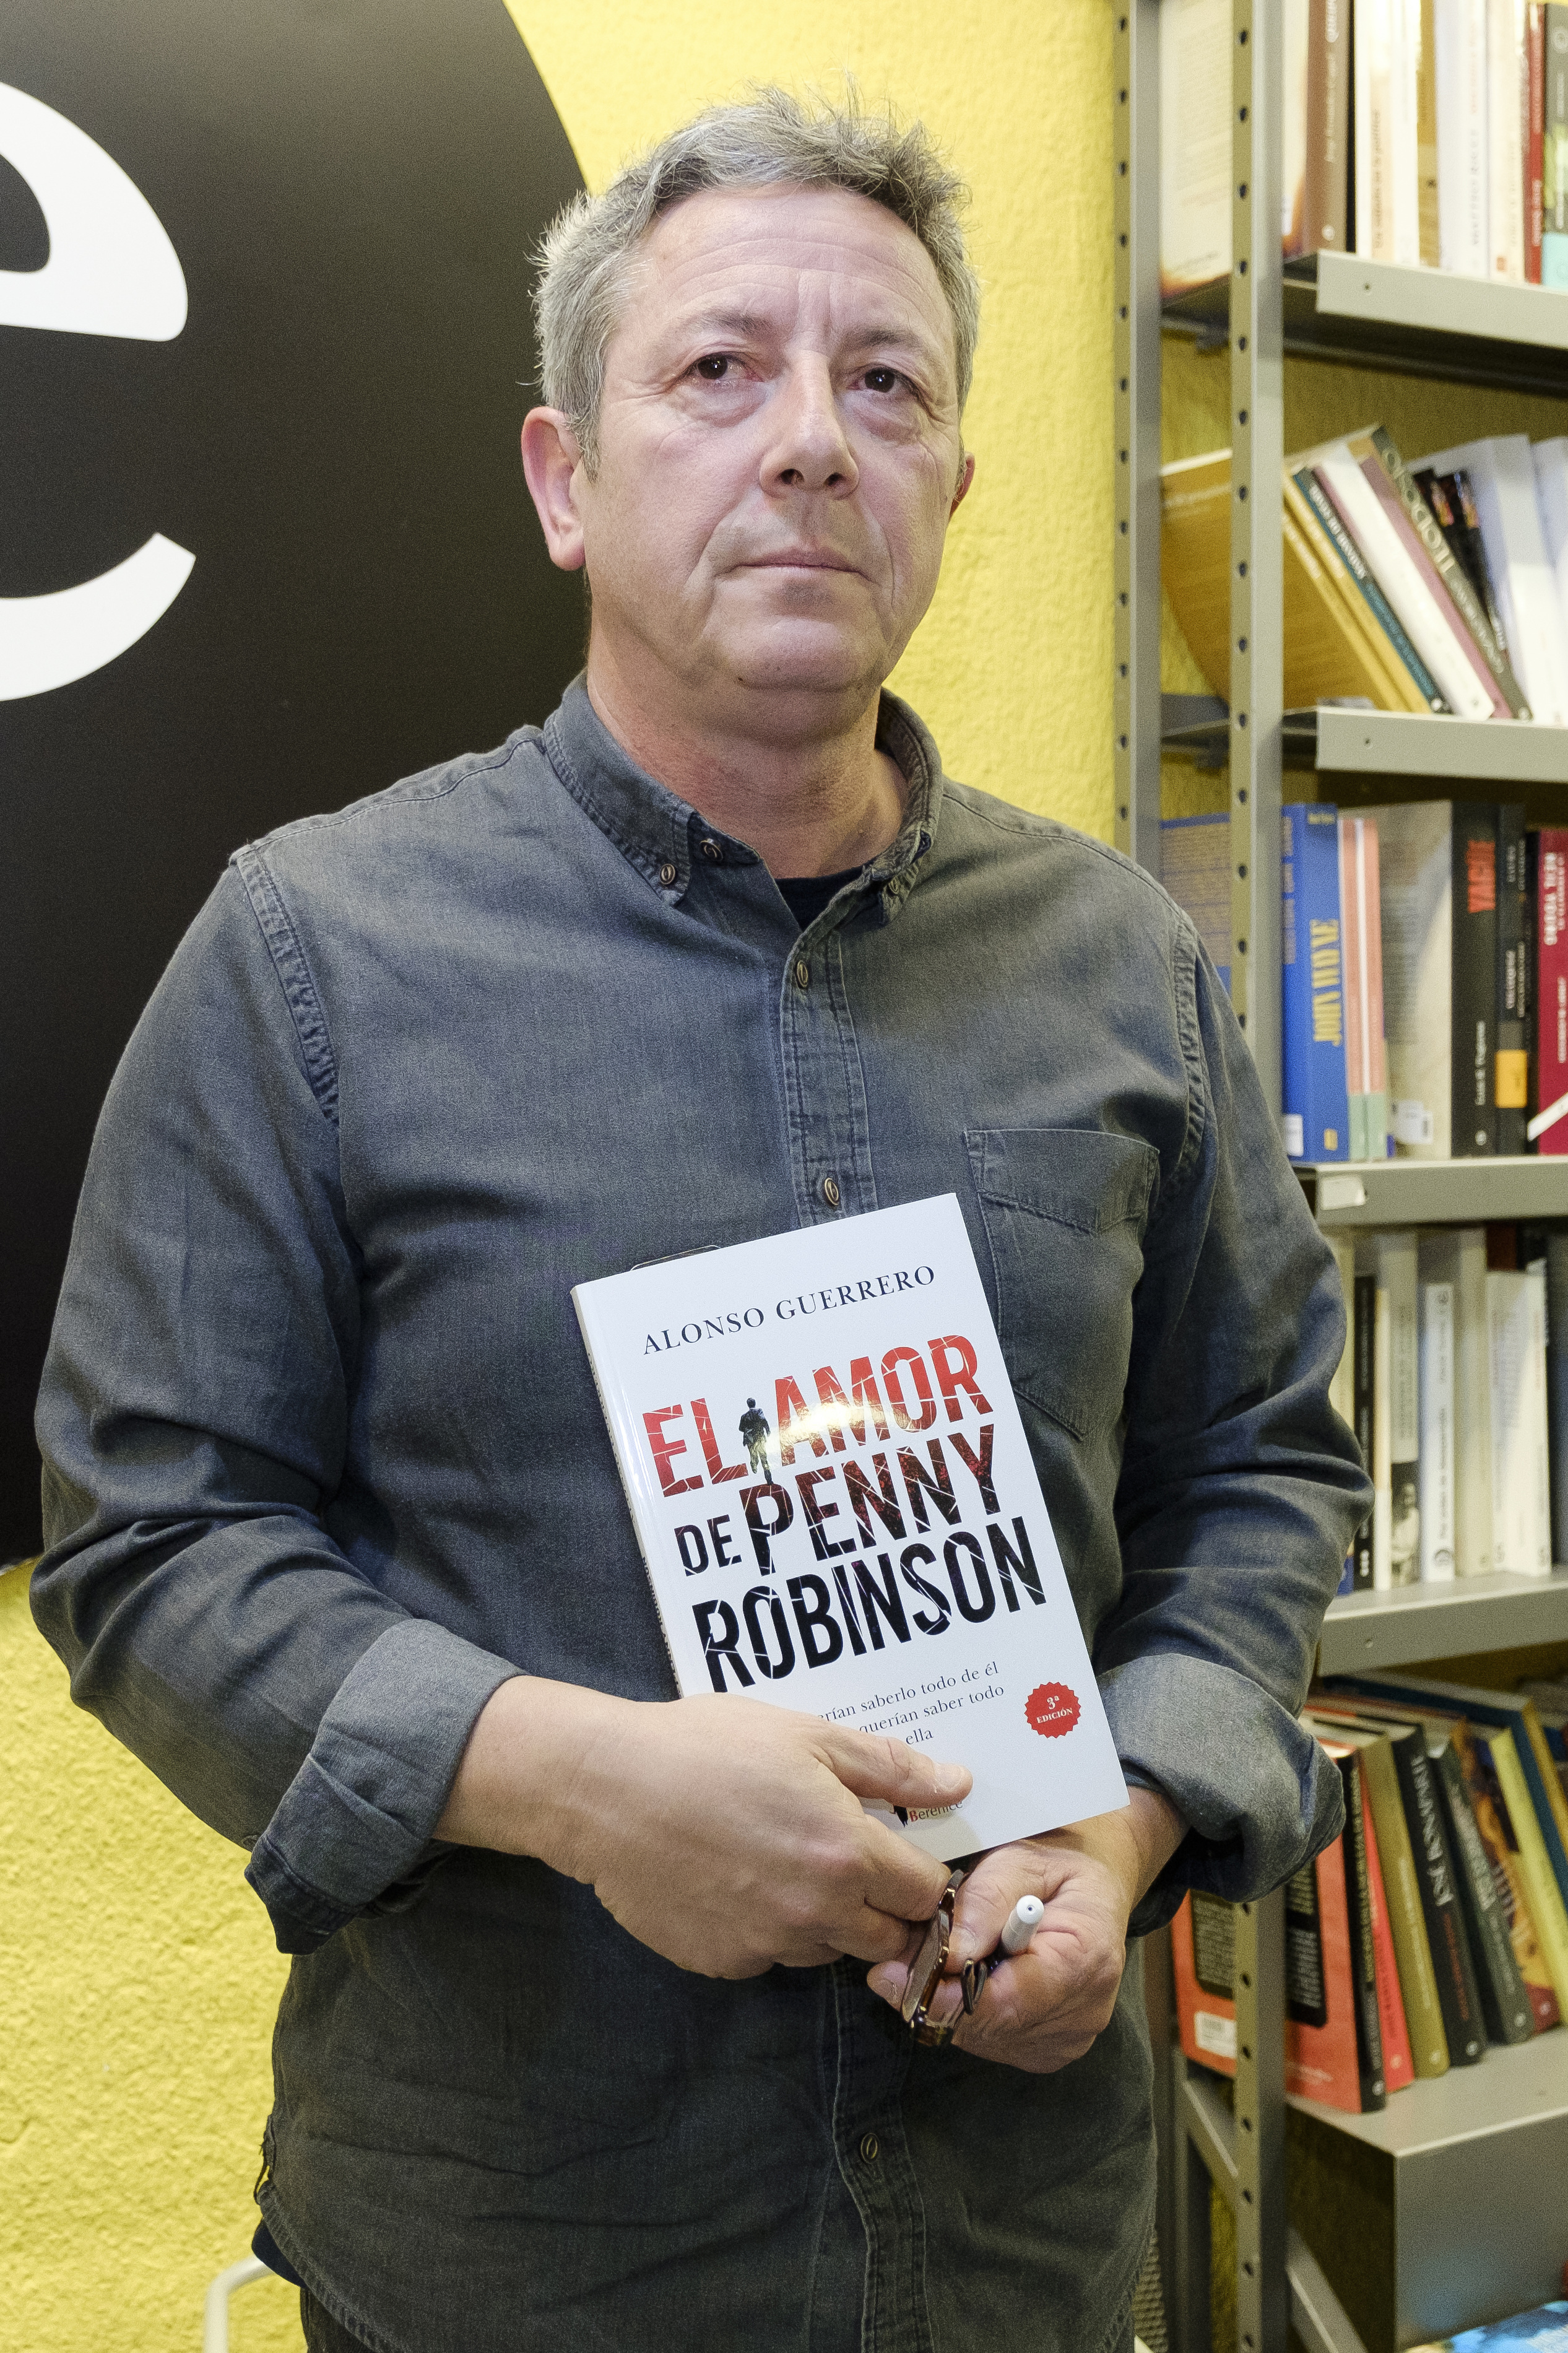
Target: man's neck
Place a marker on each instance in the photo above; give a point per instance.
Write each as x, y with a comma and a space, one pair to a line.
818, 802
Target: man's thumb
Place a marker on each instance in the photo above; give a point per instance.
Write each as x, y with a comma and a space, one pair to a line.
875, 1764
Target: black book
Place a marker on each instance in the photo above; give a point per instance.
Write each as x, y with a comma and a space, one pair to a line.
1364, 1958
1505, 2003
1532, 978
1475, 997
1453, 504
1364, 1310
1458, 1995
1514, 992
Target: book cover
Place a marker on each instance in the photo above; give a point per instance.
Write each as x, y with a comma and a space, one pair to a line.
1453, 506
1557, 1388
1421, 16
1404, 501
1314, 1120
1438, 905
1548, 1130
1396, 1259
1295, 61
1461, 76
1554, 150
1380, 613
1339, 474
1474, 903
1501, 472
1511, 1089
1550, 458
1434, 1309
1366, 1303
1194, 867
1505, 149
1542, 2330
1472, 1398
1367, 1078
1194, 144
1398, 2065
1373, 69
1362, 1951
1203, 1957
1532, 135
1545, 1901
863, 1536
1495, 1828
1326, 194
1521, 1503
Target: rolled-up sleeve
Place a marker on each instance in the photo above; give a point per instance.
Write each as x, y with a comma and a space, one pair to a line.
1240, 1489
193, 1423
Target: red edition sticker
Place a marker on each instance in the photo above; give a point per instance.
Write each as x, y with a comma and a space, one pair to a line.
1052, 1710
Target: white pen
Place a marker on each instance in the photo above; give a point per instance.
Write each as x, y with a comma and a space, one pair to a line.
1022, 1922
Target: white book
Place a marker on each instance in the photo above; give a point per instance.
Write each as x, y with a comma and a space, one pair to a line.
1341, 1388
1394, 570
1404, 146
1521, 1509
1472, 1403
1380, 1466
1195, 143
1397, 1279
1373, 101
838, 1510
1437, 1485
1502, 477
1460, 27
1551, 460
1293, 129
1505, 146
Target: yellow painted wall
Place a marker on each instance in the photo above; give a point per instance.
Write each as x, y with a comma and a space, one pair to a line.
137, 1973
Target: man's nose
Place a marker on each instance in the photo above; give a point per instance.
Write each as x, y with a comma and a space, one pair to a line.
808, 448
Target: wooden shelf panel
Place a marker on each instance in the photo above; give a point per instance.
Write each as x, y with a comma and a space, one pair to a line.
1363, 1631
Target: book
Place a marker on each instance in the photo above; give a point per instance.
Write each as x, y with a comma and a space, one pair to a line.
1532, 135
1551, 461
1341, 1388
1380, 1464
1435, 1319
1398, 2065
1548, 1130
1535, 1863
1381, 614
1418, 1980
1371, 2086
1194, 867
1367, 1078
1195, 143
1511, 1087
1421, 17
1403, 500
1521, 1503
1494, 1827
1363, 1577
1501, 473
1505, 149
1557, 1388
1358, 645
1438, 905
873, 1545
1295, 63
1462, 1254
1461, 78
1554, 150
1542, 2330
1397, 1280
1326, 175
1373, 69
1315, 1120
1453, 506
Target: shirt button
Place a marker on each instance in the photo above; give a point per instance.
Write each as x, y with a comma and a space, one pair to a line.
802, 974
830, 1192
870, 2148
713, 853
668, 875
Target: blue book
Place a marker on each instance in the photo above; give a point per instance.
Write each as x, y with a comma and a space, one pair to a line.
1316, 1108
1544, 2330
1194, 867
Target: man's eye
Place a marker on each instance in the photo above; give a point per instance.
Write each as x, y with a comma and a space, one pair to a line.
883, 379
714, 367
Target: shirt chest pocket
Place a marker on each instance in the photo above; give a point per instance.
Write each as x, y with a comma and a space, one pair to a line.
1063, 1210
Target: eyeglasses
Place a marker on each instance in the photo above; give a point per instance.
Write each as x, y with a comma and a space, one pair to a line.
929, 1964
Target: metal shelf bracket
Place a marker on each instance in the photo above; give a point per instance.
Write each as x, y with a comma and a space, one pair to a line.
1135, 166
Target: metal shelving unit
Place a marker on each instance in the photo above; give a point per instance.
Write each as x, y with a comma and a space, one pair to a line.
1490, 2143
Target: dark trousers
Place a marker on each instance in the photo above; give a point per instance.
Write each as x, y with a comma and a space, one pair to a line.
323, 2332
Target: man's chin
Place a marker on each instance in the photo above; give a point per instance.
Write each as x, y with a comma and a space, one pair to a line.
809, 661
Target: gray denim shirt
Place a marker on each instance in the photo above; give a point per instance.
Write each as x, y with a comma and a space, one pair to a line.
324, 1464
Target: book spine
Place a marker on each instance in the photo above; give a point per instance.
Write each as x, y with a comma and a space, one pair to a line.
1398, 2067
1474, 1002
1512, 1089
1316, 1118
1546, 1909
1363, 1951
1550, 1779
1429, 240
1295, 1008
1436, 1387
1505, 191
1365, 1321
1458, 1994
1554, 143
1443, 615
1382, 1436
1429, 2039
1397, 1281
1552, 987
1472, 1406
1557, 1386
1533, 138
1505, 2004
1377, 534
1329, 66
1516, 1315
1470, 548
1351, 670
1495, 1826
1355, 996
1461, 67
1468, 616
1393, 688
1382, 611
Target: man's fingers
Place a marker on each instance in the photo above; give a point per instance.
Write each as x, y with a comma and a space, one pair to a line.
875, 1764
900, 1878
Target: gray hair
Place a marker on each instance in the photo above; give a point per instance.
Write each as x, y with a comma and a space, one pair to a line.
775, 140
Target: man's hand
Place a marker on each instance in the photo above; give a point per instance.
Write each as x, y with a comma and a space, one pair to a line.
1044, 2008
724, 1833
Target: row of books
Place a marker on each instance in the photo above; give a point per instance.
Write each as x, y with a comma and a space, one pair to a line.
1542, 2329
1440, 585
1456, 1399
1424, 979
1419, 132
1438, 1922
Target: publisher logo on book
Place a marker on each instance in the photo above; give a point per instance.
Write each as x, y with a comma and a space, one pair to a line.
1052, 1709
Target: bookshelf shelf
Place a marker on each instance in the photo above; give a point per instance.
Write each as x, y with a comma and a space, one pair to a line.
1367, 1193
1418, 1622
1379, 743
1527, 2085
1419, 322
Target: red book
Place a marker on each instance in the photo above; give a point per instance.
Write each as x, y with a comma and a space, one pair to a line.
1551, 984
1398, 2066
1533, 127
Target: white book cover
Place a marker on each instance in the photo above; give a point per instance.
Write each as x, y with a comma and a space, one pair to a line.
838, 1510
1505, 146
1382, 1465
1195, 143
1293, 130
1551, 496
1522, 1510
1415, 856
1436, 1347
1404, 144
1472, 1403
1394, 570
1341, 1388
1397, 1277
1502, 477
1460, 27
1373, 97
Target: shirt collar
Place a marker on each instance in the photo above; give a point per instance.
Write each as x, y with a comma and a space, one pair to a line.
661, 835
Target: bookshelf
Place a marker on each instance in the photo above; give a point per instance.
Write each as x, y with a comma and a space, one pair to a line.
1468, 2167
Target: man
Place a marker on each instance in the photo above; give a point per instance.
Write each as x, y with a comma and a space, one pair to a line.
580, 2047
755, 1428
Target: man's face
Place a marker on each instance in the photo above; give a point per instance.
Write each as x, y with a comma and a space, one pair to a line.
779, 446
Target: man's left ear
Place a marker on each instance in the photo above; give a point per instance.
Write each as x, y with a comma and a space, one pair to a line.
965, 476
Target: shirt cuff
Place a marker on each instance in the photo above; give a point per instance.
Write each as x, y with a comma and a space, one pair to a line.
1259, 1794
352, 1829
